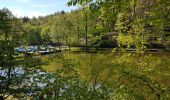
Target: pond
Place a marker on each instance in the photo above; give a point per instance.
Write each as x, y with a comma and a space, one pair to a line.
87, 59
145, 75
96, 76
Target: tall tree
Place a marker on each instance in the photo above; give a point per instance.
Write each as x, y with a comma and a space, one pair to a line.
8, 40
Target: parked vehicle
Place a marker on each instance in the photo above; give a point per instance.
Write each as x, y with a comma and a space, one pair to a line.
20, 50
42, 50
31, 50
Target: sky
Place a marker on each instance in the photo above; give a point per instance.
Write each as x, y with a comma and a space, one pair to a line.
30, 8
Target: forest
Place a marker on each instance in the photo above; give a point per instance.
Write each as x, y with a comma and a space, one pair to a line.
118, 50
98, 24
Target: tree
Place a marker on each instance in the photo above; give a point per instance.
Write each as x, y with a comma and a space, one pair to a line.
8, 40
85, 9
14, 70
134, 21
33, 35
45, 35
25, 19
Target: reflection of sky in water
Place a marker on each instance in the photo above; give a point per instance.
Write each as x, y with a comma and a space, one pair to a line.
35, 79
16, 71
38, 80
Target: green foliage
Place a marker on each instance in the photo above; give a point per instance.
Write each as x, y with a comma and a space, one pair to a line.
33, 35
13, 75
45, 35
132, 21
81, 2
8, 62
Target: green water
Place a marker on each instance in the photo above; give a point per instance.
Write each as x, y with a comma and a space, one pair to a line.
145, 74
149, 62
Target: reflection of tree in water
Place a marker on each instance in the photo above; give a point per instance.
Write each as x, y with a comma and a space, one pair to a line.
121, 80
127, 76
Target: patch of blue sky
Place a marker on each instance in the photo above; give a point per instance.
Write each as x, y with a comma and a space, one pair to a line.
35, 8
